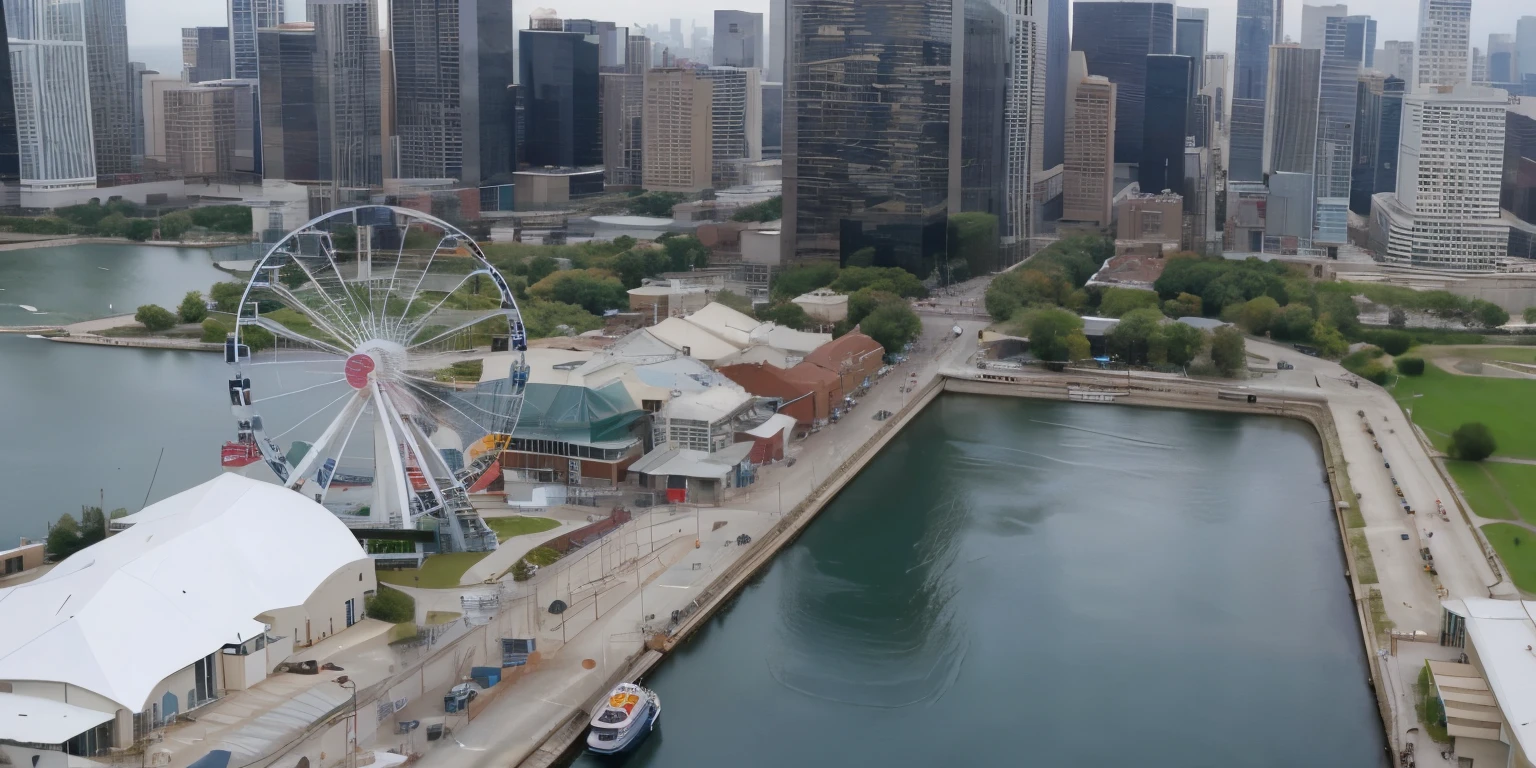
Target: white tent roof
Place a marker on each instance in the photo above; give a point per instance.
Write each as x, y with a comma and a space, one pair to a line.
1502, 632
190, 575
45, 721
775, 424
685, 462
704, 345
735, 327
710, 405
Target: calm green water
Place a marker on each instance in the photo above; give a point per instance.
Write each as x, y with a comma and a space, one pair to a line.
80, 420
1018, 583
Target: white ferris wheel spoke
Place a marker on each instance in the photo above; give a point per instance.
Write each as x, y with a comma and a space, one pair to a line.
405, 338
356, 334
328, 247
491, 313
323, 409
417, 290
297, 391
278, 329
423, 390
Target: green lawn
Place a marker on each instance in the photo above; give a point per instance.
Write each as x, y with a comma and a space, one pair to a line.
507, 527
1497, 490
439, 572
1517, 548
1449, 401
1508, 354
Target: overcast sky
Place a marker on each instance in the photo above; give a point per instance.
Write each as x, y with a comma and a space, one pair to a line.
154, 26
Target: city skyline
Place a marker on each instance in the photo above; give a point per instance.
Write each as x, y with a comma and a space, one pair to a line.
154, 26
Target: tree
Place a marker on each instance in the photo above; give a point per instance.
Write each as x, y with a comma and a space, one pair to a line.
1131, 338
787, 314
1293, 323
257, 338
540, 267
685, 252
1181, 343
391, 605
174, 225
93, 526
735, 301
1488, 314
889, 279
1229, 351
593, 290
1397, 318
115, 225
63, 538
226, 296
633, 266
140, 230
863, 301
192, 308
974, 238
863, 257
656, 204
795, 281
771, 209
892, 325
155, 318
292, 275
1328, 341
1257, 316
1118, 301
1393, 342
214, 332
1183, 305
552, 318
1530, 315
1049, 331
1472, 442
1410, 366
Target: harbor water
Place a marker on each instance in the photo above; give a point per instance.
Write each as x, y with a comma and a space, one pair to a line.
1025, 583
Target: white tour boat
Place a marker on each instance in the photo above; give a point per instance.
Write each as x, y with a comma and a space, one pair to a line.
624, 719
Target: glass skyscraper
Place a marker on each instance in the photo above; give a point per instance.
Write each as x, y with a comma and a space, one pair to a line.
1336, 130
866, 131
560, 99
245, 17
1379, 109
1116, 38
51, 84
210, 53
453, 67
295, 131
983, 152
10, 158
106, 50
347, 44
1257, 30
1058, 48
1165, 126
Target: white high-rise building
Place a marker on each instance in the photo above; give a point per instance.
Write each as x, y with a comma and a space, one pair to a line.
1445, 213
1445, 42
1314, 22
1023, 123
51, 83
1396, 59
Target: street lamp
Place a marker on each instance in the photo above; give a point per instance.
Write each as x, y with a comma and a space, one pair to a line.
351, 685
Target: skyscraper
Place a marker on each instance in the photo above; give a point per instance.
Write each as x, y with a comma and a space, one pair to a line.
1379, 107
1502, 67
1444, 46
10, 157
1399, 62
51, 85
347, 44
1024, 110
637, 59
106, 49
453, 67
1525, 45
1517, 195
245, 17
1058, 48
210, 55
1190, 39
738, 39
1445, 213
200, 125
623, 129
136, 72
560, 99
778, 21
736, 106
1117, 38
1290, 141
295, 129
977, 186
1089, 169
866, 132
1256, 32
612, 42
678, 131
1336, 130
1165, 126
773, 121
1314, 19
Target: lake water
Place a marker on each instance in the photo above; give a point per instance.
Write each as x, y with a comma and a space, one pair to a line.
1022, 583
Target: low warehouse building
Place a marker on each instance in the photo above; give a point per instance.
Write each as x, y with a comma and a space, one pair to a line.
204, 592
1489, 701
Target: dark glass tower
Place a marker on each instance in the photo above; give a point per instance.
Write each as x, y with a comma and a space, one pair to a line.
1058, 50
560, 99
1165, 124
1378, 131
10, 148
106, 55
294, 147
1190, 41
867, 131
983, 154
453, 64
347, 40
1116, 38
212, 55
1256, 32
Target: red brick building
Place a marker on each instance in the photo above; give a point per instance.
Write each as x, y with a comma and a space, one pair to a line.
851, 359
807, 389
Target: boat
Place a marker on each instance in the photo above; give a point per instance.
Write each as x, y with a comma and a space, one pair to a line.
625, 718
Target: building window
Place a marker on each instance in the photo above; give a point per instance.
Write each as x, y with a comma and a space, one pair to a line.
13, 565
1151, 222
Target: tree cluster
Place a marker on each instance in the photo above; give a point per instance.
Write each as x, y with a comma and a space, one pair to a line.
1054, 277
1472, 442
121, 218
771, 209
155, 318
391, 605
655, 204
67, 536
1144, 337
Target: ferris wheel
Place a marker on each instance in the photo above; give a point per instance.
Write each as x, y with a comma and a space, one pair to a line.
391, 308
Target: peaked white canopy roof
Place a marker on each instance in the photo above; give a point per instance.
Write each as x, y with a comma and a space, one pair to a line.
190, 575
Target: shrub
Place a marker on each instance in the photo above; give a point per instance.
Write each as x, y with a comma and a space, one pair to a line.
787, 314
1376, 373
1394, 342
155, 318
771, 209
1472, 442
214, 332
1410, 366
1119, 301
257, 338
192, 308
391, 605
1530, 315
1183, 305
1229, 351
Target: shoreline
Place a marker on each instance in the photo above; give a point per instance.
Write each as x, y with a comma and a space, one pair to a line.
28, 245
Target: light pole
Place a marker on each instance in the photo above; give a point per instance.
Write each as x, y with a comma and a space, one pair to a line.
351, 685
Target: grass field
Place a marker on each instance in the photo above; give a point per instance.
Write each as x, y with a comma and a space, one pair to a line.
1517, 549
1449, 401
507, 527
439, 572
1508, 354
1496, 490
